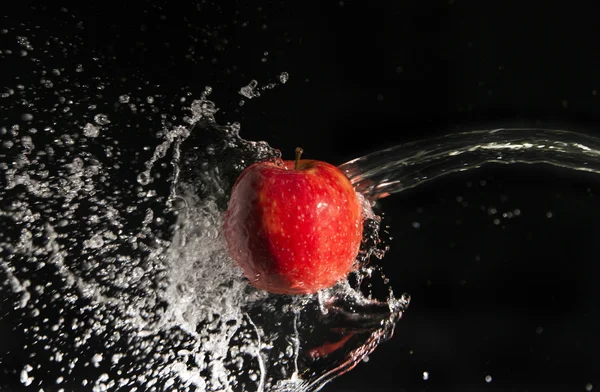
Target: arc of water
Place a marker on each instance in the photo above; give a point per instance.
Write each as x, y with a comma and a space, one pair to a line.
404, 166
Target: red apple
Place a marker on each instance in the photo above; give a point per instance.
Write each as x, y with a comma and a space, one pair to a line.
294, 227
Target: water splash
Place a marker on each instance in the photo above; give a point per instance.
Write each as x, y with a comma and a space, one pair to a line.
124, 276
113, 268
246, 322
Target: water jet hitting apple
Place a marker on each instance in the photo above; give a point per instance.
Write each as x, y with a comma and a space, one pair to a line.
294, 227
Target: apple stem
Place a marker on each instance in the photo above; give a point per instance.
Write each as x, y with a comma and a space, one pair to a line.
299, 152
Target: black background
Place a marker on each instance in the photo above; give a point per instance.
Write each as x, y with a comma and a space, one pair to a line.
515, 299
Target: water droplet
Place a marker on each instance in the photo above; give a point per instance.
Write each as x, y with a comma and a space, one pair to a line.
124, 98
26, 116
143, 178
94, 243
96, 359
27, 142
249, 91
284, 77
24, 376
90, 130
101, 119
137, 273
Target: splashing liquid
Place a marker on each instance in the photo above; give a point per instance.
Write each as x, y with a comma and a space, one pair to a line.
122, 279
113, 267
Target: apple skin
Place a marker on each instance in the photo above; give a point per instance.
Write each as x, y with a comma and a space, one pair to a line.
293, 231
